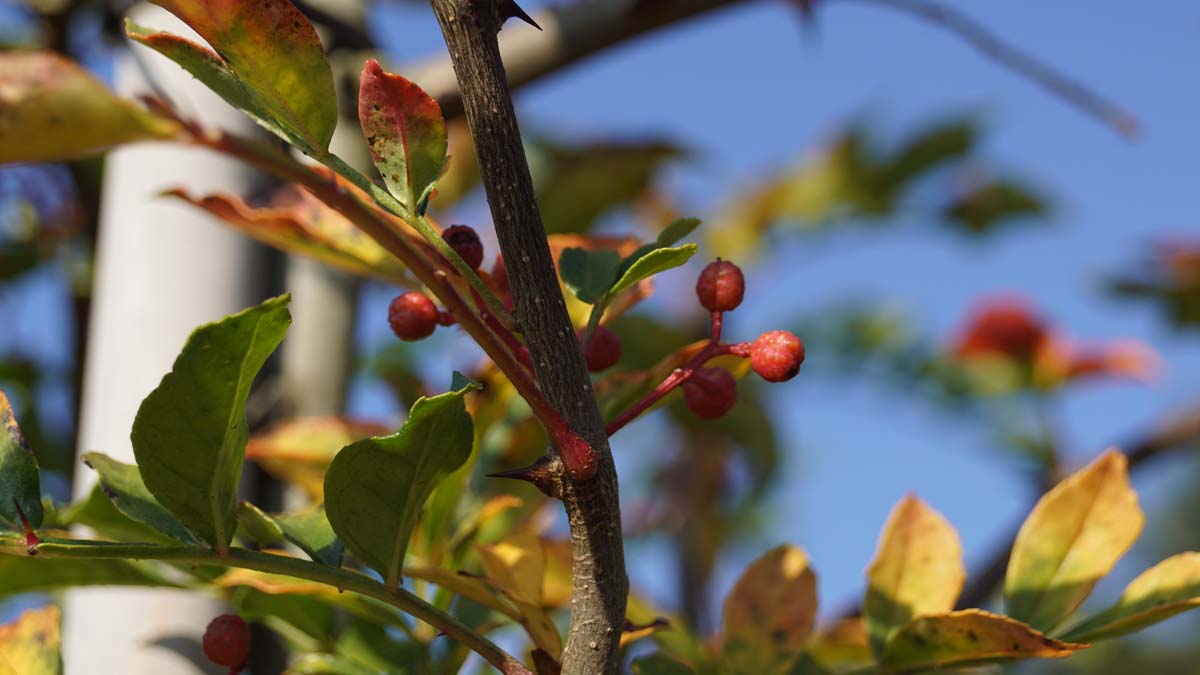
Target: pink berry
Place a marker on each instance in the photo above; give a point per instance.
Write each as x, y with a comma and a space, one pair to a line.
413, 316
710, 392
776, 356
605, 350
465, 242
721, 286
227, 641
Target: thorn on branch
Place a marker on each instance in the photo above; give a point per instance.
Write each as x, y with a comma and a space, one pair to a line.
541, 474
510, 10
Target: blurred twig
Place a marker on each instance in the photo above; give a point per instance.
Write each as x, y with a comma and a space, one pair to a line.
1021, 62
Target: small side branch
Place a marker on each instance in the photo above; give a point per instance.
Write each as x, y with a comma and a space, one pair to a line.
994, 47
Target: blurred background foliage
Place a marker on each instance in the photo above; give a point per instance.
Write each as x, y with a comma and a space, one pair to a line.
706, 495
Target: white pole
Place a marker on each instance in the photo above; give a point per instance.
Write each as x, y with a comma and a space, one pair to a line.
162, 269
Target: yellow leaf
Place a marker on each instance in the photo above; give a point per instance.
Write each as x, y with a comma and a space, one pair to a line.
515, 566
471, 587
769, 613
52, 109
632, 633
300, 450
969, 636
1168, 588
556, 582
1071, 539
917, 570
30, 645
274, 584
842, 646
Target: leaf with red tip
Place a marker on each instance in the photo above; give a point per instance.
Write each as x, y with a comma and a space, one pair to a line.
405, 132
273, 54
52, 109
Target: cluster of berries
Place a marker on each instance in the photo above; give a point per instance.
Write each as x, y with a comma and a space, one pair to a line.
708, 391
775, 355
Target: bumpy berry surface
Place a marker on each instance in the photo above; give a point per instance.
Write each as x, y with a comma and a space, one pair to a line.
721, 286
776, 356
412, 316
710, 392
227, 641
465, 242
605, 350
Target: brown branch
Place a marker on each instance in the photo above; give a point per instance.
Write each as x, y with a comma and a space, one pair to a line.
1021, 62
569, 34
600, 584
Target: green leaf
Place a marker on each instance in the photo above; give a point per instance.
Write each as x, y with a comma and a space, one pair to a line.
590, 273
650, 263
983, 208
677, 230
918, 569
310, 530
274, 54
286, 613
123, 485
405, 132
30, 645
52, 109
967, 637
257, 525
1071, 539
660, 664
19, 483
98, 512
189, 436
1159, 593
375, 488
19, 574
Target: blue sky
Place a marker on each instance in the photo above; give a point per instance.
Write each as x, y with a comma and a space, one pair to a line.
751, 89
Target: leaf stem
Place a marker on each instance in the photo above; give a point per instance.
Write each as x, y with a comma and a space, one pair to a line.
342, 579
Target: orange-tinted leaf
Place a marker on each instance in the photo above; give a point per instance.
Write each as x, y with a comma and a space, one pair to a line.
471, 587
1071, 539
300, 450
1159, 593
970, 636
405, 132
52, 109
516, 567
273, 51
769, 614
917, 570
30, 644
299, 223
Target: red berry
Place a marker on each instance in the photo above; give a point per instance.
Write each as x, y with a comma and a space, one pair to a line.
227, 641
465, 242
776, 356
710, 392
721, 286
413, 316
605, 350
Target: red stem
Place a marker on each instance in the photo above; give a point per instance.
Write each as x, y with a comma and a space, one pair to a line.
713, 349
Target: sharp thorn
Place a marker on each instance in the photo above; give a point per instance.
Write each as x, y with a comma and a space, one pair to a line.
510, 10
540, 474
